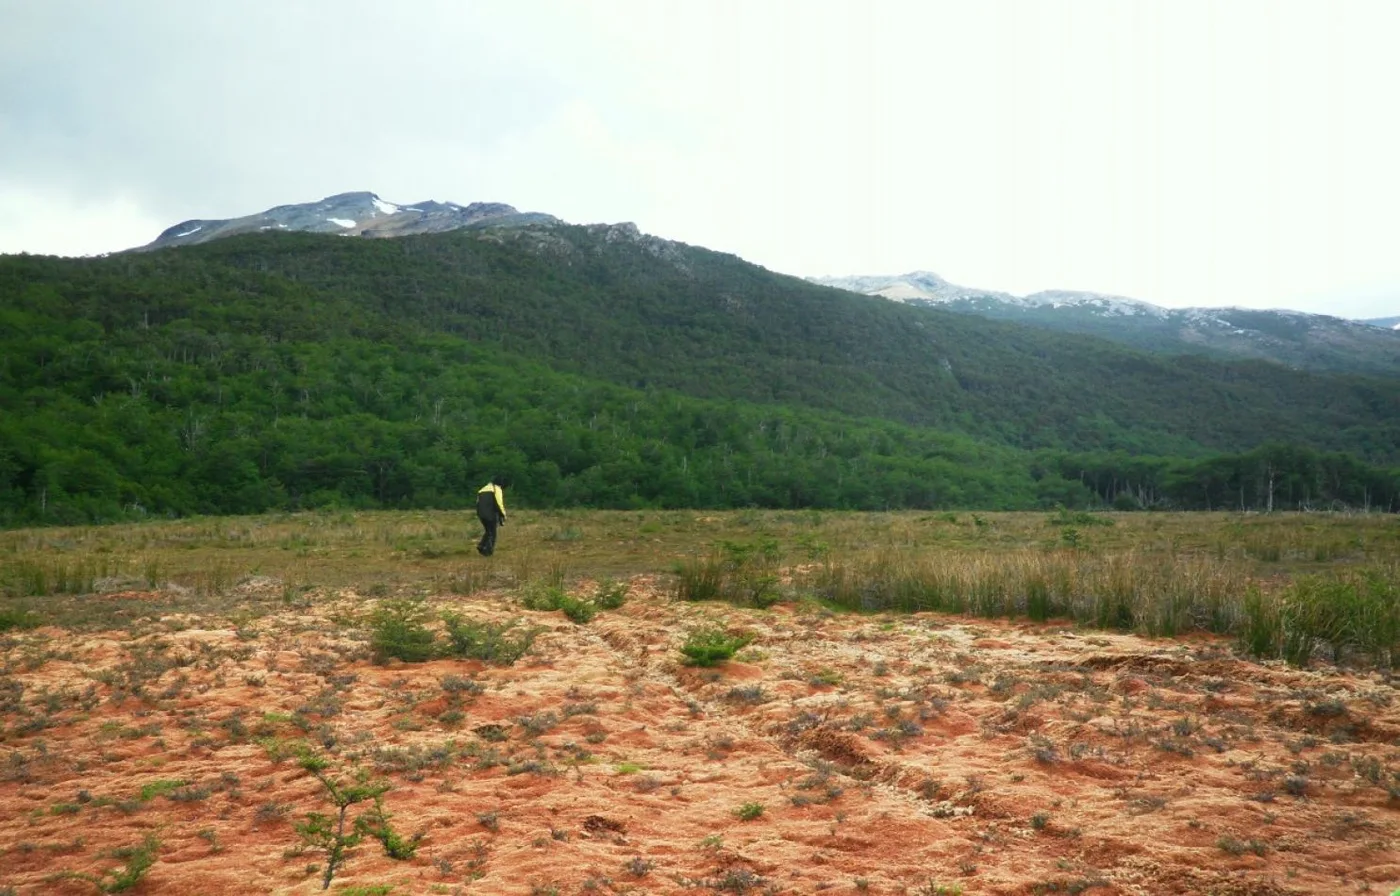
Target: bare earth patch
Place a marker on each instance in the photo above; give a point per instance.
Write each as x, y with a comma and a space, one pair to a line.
836, 753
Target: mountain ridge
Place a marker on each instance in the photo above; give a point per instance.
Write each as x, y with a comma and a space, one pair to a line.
1296, 339
365, 214
361, 213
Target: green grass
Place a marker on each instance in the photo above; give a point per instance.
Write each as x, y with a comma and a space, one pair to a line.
17, 617
162, 787
1159, 574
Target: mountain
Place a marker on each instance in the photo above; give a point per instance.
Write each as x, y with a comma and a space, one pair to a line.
917, 287
352, 214
1392, 323
602, 366
1304, 341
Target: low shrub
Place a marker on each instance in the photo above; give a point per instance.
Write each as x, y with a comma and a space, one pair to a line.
503, 644
398, 630
712, 646
549, 597
749, 811
611, 595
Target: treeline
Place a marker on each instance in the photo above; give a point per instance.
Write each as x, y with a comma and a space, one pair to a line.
140, 426
1271, 477
355, 423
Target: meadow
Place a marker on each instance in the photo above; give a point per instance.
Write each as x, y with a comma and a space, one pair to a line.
701, 703
1286, 584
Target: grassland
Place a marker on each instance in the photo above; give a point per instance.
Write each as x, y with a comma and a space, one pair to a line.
701, 703
1160, 574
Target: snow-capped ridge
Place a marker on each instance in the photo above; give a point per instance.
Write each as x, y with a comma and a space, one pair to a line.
1109, 304
926, 287
1294, 338
915, 286
361, 213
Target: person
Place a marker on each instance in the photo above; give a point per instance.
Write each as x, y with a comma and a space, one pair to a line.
491, 510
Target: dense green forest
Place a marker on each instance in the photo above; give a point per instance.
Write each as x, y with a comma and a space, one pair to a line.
592, 366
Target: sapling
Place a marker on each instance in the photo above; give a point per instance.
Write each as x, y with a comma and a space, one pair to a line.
321, 831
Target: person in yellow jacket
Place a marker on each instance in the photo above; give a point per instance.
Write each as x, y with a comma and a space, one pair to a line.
491, 510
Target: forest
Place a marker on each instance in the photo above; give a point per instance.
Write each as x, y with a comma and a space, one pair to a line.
596, 367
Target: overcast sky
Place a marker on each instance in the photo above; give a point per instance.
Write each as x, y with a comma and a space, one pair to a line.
1184, 153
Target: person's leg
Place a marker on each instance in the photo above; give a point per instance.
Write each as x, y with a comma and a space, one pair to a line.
488, 541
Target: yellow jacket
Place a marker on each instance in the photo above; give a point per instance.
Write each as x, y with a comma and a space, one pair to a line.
500, 496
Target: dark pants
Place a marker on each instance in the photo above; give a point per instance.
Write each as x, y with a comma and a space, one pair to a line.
490, 516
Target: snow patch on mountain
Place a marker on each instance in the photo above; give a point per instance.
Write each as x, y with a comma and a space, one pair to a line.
361, 214
1108, 304
926, 287
916, 286
1294, 338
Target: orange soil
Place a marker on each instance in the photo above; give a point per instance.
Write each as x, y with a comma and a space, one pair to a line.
889, 754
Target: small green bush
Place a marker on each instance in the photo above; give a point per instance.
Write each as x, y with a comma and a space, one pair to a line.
579, 611
611, 595
503, 644
749, 811
398, 629
549, 597
712, 646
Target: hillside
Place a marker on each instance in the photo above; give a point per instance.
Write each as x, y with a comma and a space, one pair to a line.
596, 365
1315, 342
608, 302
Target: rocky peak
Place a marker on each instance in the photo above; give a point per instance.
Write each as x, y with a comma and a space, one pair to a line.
359, 213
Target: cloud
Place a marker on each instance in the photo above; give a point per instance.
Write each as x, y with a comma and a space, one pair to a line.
1188, 152
82, 225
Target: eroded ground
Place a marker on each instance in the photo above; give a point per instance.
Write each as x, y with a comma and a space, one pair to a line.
843, 754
